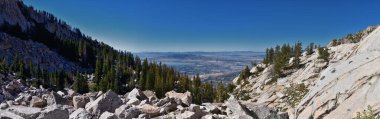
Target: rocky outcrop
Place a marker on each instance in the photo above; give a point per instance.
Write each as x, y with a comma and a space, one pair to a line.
187, 115
109, 101
235, 109
180, 98
80, 101
54, 111
37, 102
25, 112
55, 99
263, 112
349, 84
107, 115
136, 94
127, 112
80, 114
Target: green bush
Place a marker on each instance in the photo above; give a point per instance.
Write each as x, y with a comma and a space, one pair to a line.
295, 93
367, 114
323, 53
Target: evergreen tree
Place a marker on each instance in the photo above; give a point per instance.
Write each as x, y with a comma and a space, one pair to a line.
111, 78
60, 83
221, 95
103, 84
80, 84
158, 85
143, 76
208, 92
98, 73
21, 71
2, 65
197, 81
310, 49
297, 55
116, 86
131, 84
151, 75
196, 89
244, 74
324, 54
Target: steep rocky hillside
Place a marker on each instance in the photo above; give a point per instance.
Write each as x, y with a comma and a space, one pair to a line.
349, 84
338, 88
33, 52
50, 33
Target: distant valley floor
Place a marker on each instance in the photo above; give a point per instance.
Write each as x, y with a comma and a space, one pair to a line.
211, 66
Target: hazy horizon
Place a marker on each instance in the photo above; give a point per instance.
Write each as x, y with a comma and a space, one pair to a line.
212, 26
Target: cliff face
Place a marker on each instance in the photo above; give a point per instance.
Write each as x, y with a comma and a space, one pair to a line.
43, 39
14, 12
10, 12
340, 88
349, 85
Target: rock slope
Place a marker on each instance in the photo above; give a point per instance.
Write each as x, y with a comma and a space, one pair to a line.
340, 88
348, 85
23, 102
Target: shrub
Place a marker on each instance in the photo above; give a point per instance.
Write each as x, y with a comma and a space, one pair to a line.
323, 53
295, 93
367, 114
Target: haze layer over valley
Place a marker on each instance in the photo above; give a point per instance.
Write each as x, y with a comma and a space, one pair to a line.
211, 66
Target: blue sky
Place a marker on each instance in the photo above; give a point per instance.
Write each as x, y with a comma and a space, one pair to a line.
212, 25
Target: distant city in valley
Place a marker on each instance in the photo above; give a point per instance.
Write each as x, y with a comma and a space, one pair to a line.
211, 66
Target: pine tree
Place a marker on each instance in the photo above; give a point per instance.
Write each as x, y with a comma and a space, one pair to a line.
111, 78
271, 55
310, 49
80, 84
297, 55
98, 73
143, 76
103, 84
116, 86
196, 89
138, 66
244, 74
131, 84
221, 94
208, 92
152, 74
158, 86
31, 71
85, 85
46, 81
21, 71
197, 81
60, 83
2, 65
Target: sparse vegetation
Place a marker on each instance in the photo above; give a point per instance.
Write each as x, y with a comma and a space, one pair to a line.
366, 114
243, 95
295, 93
352, 38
